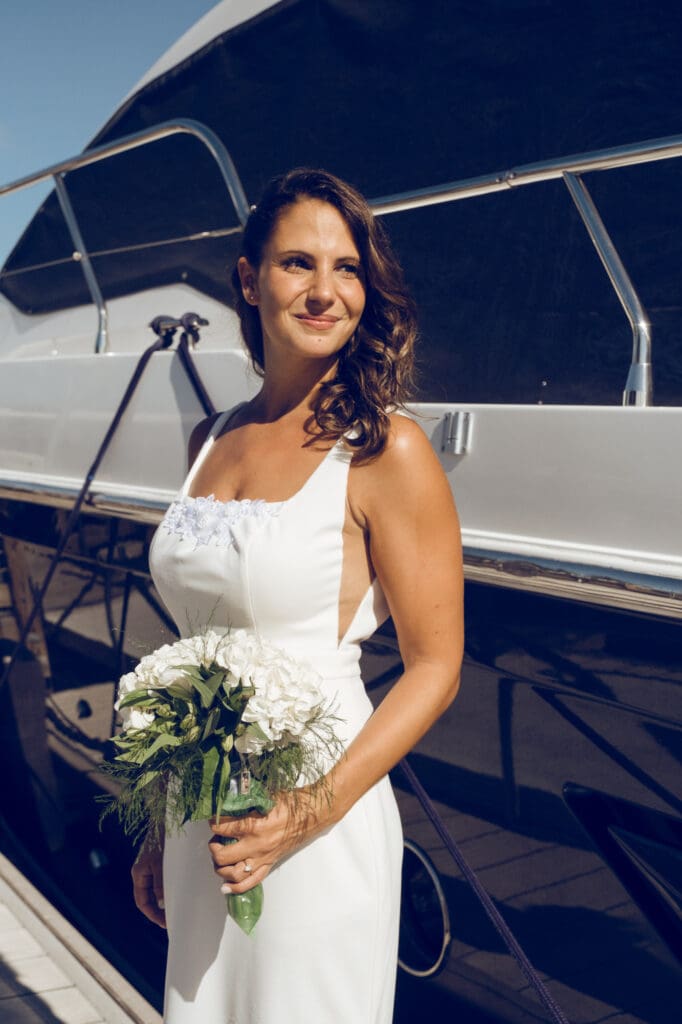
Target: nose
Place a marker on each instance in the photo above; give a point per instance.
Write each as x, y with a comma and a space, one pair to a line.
321, 288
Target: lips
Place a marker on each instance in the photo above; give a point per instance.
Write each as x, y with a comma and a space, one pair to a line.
318, 322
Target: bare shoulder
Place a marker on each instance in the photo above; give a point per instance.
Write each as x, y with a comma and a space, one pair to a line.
406, 473
408, 452
198, 436
407, 443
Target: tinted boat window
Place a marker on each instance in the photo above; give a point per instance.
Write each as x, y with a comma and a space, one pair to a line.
397, 96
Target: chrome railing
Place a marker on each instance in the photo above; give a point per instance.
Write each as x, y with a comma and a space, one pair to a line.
181, 126
638, 388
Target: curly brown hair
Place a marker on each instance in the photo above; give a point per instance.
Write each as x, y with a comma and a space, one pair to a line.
375, 369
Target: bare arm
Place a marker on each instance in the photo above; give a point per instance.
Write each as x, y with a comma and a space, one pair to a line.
404, 502
416, 551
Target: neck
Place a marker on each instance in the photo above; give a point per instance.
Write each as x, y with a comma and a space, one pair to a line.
289, 391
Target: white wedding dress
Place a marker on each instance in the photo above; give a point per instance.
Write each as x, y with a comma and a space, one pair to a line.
325, 948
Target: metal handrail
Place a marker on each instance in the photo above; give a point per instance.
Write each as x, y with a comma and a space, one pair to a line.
638, 386
649, 151
82, 255
180, 126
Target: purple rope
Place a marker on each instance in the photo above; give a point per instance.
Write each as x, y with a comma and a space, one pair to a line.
491, 910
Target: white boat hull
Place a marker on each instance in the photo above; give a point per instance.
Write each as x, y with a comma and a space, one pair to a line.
577, 490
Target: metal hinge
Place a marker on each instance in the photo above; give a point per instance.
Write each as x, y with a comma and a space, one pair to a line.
457, 432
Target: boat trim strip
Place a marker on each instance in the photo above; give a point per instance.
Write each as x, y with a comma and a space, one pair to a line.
631, 590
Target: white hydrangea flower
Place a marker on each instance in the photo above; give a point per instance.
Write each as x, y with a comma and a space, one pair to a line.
287, 692
199, 649
135, 718
287, 697
132, 718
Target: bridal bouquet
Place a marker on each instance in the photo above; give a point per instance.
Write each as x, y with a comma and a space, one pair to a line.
218, 725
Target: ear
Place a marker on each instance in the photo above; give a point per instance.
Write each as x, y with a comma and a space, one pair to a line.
249, 281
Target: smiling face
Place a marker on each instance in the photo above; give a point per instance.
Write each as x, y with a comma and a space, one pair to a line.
309, 287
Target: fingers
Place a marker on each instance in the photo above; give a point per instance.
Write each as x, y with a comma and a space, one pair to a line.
238, 872
229, 859
158, 894
150, 903
255, 841
147, 875
247, 881
226, 853
235, 828
235, 868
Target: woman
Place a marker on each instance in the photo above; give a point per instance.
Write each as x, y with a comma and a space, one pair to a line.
315, 509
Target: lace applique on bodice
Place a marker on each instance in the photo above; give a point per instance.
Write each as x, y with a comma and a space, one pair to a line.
207, 519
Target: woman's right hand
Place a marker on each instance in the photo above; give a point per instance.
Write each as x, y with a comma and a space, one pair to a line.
148, 882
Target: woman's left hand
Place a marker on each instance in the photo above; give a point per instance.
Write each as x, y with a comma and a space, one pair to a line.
262, 840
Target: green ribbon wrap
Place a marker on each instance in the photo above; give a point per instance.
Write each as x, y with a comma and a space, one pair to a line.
245, 908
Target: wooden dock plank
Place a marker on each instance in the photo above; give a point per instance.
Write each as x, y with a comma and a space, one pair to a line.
49, 972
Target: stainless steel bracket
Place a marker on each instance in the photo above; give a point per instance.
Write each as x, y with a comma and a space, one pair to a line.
457, 432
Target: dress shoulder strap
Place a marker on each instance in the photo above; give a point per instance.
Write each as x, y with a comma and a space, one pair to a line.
214, 432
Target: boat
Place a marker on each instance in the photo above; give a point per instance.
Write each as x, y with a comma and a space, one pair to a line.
550, 389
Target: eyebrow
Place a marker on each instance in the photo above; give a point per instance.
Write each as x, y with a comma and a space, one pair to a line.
308, 255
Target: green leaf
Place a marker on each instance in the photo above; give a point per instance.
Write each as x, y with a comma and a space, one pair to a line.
139, 757
123, 740
192, 671
136, 697
223, 784
254, 729
146, 778
126, 758
215, 681
205, 807
211, 721
179, 691
208, 688
226, 684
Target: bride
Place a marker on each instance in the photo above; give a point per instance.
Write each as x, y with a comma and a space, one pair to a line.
309, 515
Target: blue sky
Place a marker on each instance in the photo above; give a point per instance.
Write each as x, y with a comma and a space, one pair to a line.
64, 67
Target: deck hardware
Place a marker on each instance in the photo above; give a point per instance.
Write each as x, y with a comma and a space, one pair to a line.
191, 322
457, 430
164, 327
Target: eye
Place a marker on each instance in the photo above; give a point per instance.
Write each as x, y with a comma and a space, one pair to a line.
349, 269
295, 262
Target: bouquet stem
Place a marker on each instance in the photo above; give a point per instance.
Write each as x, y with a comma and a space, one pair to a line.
244, 907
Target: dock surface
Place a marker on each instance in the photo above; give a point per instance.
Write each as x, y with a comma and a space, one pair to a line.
49, 973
